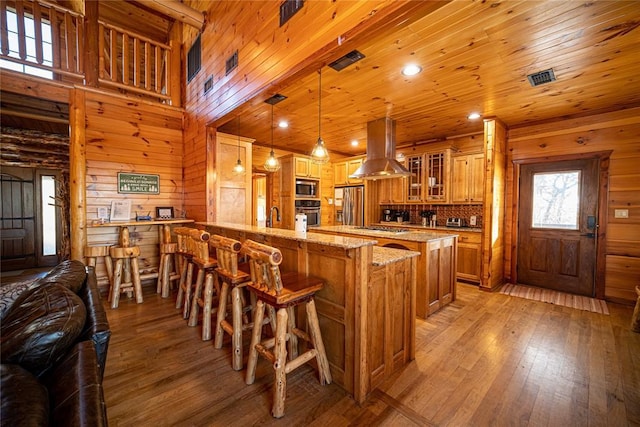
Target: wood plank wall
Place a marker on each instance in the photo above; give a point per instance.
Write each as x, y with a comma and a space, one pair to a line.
268, 55
124, 135
618, 131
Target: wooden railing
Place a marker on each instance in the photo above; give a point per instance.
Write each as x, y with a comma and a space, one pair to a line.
127, 61
133, 62
67, 36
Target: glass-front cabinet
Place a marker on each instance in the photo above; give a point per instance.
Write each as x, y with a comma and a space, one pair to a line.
416, 180
430, 179
437, 178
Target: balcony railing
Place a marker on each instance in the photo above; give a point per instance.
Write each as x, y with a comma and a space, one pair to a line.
52, 38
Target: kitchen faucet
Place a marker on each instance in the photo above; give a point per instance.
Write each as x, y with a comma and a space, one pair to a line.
270, 220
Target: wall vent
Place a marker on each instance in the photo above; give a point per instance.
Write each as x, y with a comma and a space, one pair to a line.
194, 60
350, 58
231, 63
541, 77
288, 8
275, 99
208, 85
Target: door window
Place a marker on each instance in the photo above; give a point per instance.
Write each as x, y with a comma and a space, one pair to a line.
556, 199
49, 238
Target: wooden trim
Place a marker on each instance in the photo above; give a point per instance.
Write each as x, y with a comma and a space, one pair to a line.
77, 172
603, 203
178, 11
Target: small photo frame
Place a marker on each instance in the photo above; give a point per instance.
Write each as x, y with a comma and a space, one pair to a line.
103, 212
120, 210
164, 212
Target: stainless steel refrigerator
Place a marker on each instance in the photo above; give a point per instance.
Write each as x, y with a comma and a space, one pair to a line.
352, 205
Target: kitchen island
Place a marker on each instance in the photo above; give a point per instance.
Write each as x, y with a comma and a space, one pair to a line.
436, 273
366, 308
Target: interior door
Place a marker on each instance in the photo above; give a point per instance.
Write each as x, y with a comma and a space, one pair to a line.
557, 224
17, 190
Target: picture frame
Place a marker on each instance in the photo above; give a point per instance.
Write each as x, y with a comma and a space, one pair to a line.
164, 212
120, 210
103, 212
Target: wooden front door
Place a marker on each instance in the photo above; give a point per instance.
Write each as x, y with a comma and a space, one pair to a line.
557, 224
24, 216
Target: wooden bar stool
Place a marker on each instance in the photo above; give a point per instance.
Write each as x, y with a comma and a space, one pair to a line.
92, 253
206, 265
186, 251
283, 292
120, 255
232, 277
168, 270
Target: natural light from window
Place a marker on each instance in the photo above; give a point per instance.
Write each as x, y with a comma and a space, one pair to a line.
556, 199
30, 41
48, 201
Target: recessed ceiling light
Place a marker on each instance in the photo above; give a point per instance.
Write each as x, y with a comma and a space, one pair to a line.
473, 116
283, 124
411, 70
354, 143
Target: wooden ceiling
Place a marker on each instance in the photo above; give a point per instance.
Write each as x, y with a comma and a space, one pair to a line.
475, 56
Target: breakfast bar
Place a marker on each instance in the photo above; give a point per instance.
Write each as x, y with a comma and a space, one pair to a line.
366, 308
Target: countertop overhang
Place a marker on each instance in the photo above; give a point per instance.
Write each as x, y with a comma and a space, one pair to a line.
411, 236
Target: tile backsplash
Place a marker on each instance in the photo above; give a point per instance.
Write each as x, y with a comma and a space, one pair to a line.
442, 212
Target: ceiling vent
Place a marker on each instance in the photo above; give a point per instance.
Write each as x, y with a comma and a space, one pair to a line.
350, 58
542, 77
275, 99
288, 8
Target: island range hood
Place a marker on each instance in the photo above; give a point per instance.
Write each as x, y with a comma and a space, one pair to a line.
381, 152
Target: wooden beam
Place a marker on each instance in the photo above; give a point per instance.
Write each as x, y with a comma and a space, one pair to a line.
34, 116
178, 11
77, 173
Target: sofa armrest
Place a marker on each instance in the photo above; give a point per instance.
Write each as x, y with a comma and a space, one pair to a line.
75, 390
97, 325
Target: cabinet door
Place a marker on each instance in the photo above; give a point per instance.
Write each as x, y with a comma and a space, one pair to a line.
459, 180
415, 181
436, 179
315, 170
301, 166
340, 173
476, 178
352, 166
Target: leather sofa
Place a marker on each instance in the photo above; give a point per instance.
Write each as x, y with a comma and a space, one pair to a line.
54, 338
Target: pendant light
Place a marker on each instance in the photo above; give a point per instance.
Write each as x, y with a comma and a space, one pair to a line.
238, 168
272, 164
319, 154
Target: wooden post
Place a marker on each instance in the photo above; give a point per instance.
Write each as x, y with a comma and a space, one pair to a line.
92, 52
174, 65
77, 173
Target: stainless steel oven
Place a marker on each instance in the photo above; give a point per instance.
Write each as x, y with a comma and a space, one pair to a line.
307, 188
311, 208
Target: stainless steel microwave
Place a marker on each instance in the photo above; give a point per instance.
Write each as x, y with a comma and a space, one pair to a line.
307, 188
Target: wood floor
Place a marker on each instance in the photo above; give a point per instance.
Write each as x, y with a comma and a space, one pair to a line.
486, 360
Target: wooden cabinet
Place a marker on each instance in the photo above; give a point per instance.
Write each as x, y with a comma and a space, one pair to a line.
391, 190
232, 190
431, 178
469, 256
467, 178
294, 167
305, 168
437, 177
342, 170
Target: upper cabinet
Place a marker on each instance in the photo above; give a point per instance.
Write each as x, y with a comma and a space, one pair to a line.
342, 170
430, 178
305, 168
391, 190
468, 178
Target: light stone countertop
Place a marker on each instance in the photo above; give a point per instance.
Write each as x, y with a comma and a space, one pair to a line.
424, 228
345, 242
411, 236
383, 256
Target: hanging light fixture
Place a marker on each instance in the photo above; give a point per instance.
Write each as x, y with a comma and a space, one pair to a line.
272, 164
319, 154
238, 168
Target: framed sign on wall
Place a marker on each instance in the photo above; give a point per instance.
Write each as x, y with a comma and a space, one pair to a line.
138, 183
